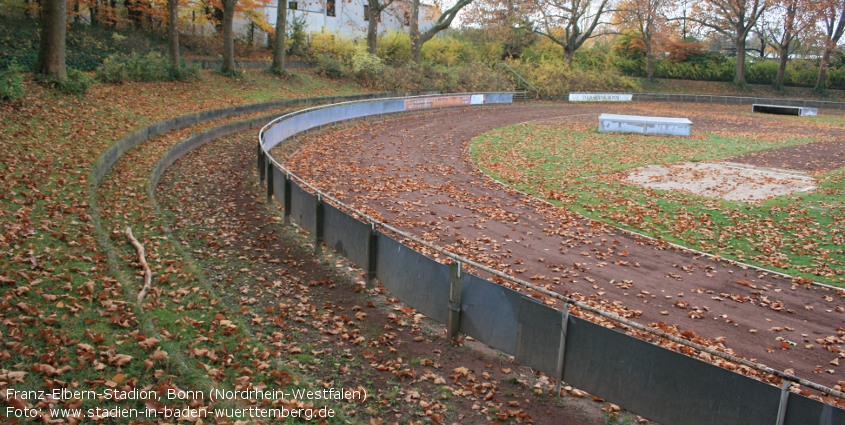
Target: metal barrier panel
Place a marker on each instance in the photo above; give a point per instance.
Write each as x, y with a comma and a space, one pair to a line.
308, 120
303, 208
802, 410
278, 185
346, 235
417, 280
660, 384
538, 340
498, 98
489, 312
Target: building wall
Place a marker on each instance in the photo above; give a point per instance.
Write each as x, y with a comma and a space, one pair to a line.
349, 20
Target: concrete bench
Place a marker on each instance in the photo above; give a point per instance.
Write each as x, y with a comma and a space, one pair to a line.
784, 110
611, 123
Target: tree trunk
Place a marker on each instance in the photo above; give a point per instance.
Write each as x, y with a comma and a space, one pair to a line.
372, 27
649, 61
784, 58
92, 10
228, 37
739, 79
821, 84
51, 50
568, 56
279, 41
414, 32
173, 36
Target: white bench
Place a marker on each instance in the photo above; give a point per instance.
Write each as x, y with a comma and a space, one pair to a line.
611, 123
784, 110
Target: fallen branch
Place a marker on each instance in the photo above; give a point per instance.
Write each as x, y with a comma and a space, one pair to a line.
148, 274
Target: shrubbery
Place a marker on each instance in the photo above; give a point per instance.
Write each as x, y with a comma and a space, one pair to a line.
152, 66
330, 44
554, 78
76, 82
394, 47
11, 83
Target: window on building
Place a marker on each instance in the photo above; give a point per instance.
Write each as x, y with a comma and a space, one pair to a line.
330, 8
292, 5
367, 14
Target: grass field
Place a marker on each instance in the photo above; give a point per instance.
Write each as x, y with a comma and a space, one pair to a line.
567, 164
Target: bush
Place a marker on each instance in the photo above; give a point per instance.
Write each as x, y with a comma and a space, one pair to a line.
137, 67
447, 51
394, 47
331, 44
761, 72
477, 77
555, 79
366, 67
75, 83
11, 83
297, 40
329, 66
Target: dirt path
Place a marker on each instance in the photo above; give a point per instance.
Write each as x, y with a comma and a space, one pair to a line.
326, 328
414, 172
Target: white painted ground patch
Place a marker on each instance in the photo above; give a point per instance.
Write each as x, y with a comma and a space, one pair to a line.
725, 180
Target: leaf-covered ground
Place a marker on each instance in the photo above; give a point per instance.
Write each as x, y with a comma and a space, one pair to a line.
67, 318
407, 171
573, 165
327, 327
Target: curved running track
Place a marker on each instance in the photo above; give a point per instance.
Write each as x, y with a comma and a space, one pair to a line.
415, 172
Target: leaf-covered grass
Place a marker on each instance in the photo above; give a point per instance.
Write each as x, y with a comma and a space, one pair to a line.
68, 318
799, 234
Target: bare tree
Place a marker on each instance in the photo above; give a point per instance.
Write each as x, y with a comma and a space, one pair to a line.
228, 36
646, 18
51, 49
569, 23
374, 10
173, 36
792, 20
279, 41
832, 14
443, 21
734, 19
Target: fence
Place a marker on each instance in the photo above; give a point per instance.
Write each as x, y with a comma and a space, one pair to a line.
647, 379
736, 100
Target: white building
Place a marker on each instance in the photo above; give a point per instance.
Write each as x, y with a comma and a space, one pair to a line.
349, 17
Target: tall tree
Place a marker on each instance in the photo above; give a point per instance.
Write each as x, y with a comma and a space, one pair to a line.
374, 10
791, 20
734, 19
646, 18
228, 36
832, 14
51, 49
173, 36
569, 23
443, 21
279, 39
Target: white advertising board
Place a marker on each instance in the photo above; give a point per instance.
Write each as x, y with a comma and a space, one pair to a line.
600, 97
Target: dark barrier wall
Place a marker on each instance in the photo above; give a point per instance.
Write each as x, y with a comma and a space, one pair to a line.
647, 379
417, 280
667, 387
346, 235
